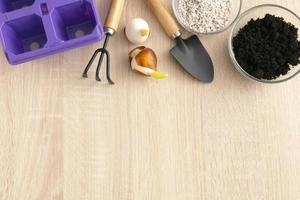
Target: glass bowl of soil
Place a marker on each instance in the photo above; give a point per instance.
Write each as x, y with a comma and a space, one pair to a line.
264, 44
206, 17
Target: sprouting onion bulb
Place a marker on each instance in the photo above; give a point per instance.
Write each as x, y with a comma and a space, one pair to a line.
144, 61
137, 31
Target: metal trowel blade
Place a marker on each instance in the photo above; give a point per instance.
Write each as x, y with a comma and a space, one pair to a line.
193, 57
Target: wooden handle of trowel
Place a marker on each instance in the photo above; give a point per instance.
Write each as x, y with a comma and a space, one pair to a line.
115, 14
164, 17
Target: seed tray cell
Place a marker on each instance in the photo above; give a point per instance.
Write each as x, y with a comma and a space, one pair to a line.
31, 29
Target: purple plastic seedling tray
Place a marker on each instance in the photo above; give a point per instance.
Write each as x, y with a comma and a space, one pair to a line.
31, 29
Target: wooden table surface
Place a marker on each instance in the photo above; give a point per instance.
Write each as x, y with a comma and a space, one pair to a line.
65, 138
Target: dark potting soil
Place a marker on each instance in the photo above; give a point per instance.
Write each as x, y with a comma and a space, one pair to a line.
267, 47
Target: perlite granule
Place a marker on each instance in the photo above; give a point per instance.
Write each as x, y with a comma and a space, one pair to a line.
205, 16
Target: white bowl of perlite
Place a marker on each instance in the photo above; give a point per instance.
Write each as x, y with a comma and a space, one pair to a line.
206, 16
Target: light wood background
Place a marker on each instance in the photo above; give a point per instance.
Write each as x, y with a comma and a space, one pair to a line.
65, 138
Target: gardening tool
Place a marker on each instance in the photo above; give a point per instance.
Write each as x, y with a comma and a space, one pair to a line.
189, 53
110, 27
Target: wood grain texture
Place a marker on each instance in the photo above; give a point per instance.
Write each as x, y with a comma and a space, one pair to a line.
115, 14
164, 16
65, 138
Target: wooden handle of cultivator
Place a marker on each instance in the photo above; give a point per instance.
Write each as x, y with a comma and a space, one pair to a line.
115, 14
164, 17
